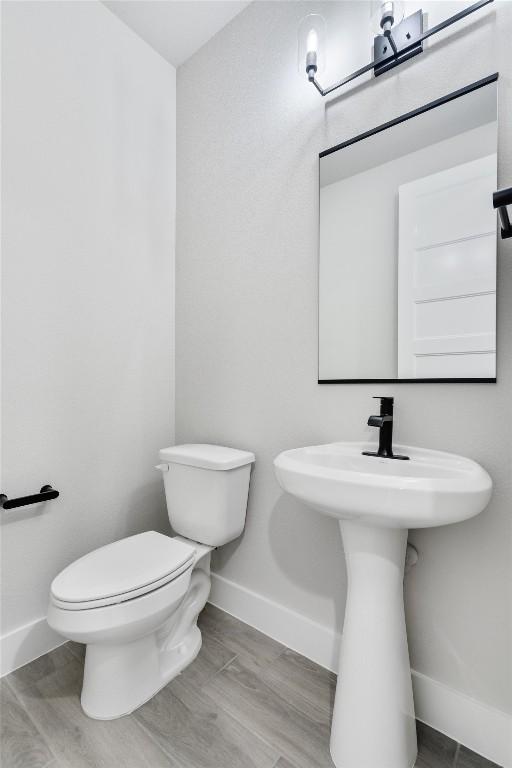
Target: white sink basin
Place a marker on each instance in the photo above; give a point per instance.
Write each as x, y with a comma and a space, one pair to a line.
375, 501
432, 488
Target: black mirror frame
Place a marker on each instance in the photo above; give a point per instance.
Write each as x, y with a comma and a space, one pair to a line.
402, 118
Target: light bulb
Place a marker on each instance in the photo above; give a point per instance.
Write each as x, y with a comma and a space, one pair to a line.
386, 14
312, 42
311, 48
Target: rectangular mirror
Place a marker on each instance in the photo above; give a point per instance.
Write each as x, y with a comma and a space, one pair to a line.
407, 274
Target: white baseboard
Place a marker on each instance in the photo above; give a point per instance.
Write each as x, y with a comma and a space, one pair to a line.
26, 644
483, 729
479, 727
316, 641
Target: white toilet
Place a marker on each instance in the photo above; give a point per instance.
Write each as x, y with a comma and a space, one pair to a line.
135, 602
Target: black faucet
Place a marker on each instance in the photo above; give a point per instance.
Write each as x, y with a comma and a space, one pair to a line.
385, 424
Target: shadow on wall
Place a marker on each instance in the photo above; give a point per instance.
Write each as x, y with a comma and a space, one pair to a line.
303, 545
146, 511
300, 539
24, 513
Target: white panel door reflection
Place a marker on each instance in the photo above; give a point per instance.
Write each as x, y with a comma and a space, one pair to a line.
447, 273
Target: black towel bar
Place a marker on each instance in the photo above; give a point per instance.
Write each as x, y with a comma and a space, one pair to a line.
500, 200
46, 493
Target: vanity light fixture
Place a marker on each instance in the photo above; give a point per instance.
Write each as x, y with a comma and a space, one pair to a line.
399, 40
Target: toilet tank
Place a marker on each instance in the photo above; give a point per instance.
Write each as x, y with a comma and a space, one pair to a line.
206, 488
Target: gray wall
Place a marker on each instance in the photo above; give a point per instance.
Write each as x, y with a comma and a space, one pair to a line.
249, 132
88, 195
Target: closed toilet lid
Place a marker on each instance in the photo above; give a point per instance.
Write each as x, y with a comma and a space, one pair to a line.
115, 572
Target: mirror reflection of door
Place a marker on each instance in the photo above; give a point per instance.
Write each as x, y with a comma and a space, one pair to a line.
407, 246
447, 273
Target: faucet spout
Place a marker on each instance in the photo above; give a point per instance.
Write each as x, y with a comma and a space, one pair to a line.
378, 421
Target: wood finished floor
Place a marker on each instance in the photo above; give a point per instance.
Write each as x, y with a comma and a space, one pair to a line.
245, 702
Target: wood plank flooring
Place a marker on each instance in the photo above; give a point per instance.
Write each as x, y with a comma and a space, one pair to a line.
246, 702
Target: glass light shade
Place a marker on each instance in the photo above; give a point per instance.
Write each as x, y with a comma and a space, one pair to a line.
379, 6
312, 38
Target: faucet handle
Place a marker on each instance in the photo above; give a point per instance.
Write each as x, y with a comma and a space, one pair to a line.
386, 404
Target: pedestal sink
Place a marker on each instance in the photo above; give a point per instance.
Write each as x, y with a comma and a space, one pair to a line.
376, 500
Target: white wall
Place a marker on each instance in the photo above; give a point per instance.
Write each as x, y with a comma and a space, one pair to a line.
88, 241
358, 282
249, 132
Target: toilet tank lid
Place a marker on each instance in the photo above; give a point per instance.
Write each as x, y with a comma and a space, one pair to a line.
206, 456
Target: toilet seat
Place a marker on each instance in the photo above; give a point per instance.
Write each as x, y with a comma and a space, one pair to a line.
121, 571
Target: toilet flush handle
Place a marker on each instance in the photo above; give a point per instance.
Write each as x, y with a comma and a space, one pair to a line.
162, 467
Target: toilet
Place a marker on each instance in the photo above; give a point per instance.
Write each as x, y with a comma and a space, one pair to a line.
135, 602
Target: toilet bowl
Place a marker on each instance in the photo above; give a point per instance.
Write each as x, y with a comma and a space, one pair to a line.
135, 602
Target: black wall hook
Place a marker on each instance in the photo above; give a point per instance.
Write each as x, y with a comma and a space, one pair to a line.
46, 493
500, 199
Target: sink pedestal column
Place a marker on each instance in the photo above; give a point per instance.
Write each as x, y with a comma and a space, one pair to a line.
373, 723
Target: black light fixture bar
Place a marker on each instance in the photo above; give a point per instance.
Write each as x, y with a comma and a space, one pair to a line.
500, 199
398, 54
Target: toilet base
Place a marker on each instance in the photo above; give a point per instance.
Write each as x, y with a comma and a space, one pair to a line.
120, 677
